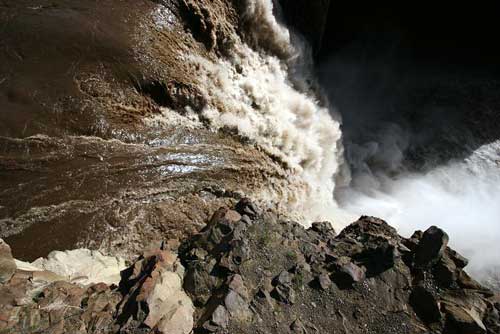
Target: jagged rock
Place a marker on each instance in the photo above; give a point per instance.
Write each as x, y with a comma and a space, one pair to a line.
7, 264
236, 300
348, 273
324, 228
298, 327
431, 246
460, 261
264, 277
462, 321
246, 207
154, 286
425, 305
467, 282
284, 294
220, 317
324, 281
286, 271
445, 271
198, 281
492, 319
284, 278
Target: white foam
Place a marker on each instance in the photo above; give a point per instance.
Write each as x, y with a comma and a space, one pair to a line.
265, 30
250, 93
462, 197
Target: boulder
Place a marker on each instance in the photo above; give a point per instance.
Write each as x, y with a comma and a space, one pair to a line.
348, 273
324, 281
462, 321
236, 300
153, 295
219, 319
431, 246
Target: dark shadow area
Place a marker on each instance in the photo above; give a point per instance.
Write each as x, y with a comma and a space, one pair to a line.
420, 83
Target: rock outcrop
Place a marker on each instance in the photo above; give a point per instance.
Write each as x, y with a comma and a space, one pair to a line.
248, 271
149, 298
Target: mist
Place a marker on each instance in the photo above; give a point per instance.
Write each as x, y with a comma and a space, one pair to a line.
461, 197
420, 138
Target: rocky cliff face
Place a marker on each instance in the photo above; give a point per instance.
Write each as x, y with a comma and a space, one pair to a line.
248, 271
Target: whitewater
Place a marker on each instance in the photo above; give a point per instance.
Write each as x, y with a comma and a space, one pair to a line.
251, 93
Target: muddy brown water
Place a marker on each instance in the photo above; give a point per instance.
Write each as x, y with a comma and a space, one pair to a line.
79, 165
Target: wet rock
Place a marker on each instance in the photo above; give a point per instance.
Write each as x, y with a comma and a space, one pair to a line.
7, 264
431, 246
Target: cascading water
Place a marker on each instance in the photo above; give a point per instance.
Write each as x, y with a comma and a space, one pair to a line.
250, 93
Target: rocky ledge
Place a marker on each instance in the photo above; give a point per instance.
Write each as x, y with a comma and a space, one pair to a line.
247, 271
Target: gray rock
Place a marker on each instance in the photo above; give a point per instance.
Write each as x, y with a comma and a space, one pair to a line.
236, 300
236, 305
284, 294
298, 327
220, 317
324, 281
348, 273
284, 278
